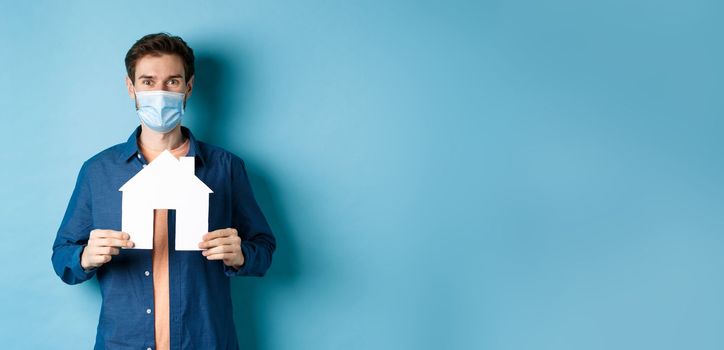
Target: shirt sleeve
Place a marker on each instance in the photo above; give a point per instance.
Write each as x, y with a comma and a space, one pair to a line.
257, 240
73, 233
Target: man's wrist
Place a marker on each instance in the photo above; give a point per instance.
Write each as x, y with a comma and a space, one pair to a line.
81, 259
238, 266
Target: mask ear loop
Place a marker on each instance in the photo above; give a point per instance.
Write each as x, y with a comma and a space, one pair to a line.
135, 98
183, 108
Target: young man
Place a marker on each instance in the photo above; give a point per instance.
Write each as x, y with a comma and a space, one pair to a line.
162, 298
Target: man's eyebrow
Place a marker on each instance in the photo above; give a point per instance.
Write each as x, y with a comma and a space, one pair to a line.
176, 76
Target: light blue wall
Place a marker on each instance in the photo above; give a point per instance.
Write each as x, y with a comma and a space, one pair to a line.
439, 174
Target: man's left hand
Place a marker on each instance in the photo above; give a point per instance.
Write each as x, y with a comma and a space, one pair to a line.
223, 244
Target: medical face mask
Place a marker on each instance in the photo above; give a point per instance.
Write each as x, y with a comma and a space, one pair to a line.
160, 110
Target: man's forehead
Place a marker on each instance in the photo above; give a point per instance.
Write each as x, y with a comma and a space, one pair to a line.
162, 66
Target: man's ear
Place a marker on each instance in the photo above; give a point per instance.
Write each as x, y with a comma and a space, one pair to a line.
190, 85
129, 86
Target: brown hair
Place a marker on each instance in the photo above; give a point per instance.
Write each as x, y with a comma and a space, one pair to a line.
156, 45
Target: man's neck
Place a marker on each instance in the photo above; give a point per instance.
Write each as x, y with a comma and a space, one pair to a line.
158, 142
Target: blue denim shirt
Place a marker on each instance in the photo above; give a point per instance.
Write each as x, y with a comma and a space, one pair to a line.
201, 314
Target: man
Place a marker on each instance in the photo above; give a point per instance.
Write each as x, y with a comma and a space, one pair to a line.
162, 298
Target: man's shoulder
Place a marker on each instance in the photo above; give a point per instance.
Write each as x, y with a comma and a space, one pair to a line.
218, 155
110, 154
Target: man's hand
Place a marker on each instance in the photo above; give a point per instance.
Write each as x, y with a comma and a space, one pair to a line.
224, 244
102, 245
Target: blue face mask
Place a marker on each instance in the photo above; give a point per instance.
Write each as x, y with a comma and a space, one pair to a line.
160, 110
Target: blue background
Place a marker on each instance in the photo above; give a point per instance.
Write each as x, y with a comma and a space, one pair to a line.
439, 174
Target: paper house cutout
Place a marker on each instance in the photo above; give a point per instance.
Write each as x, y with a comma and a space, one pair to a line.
166, 183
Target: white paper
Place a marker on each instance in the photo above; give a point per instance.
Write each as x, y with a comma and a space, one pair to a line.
166, 183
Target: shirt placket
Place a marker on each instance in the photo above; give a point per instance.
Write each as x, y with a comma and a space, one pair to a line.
149, 334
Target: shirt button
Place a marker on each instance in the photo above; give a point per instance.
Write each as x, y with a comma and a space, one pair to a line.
144, 165
148, 311
149, 349
146, 273
138, 155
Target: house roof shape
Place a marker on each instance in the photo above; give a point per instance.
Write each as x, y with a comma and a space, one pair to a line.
167, 172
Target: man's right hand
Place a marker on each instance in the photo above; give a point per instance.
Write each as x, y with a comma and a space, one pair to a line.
102, 245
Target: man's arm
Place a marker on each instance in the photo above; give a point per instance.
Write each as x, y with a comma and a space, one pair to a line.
73, 233
257, 240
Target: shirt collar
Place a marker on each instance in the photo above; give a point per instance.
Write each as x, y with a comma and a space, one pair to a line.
130, 148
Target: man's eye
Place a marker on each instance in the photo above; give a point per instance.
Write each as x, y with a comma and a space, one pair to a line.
173, 81
146, 82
